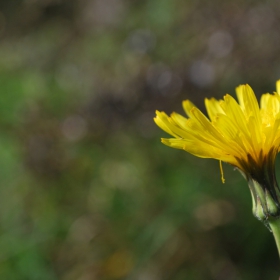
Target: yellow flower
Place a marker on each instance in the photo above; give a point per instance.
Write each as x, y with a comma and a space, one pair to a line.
242, 134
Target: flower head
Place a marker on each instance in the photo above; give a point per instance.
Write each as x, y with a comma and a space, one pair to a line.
241, 133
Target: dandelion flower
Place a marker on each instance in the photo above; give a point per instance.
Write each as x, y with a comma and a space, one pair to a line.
241, 133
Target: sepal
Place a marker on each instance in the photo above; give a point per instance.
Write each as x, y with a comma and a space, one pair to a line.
265, 206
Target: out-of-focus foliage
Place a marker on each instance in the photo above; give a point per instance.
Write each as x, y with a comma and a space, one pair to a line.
87, 189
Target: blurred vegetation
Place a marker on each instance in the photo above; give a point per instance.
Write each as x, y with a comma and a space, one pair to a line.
88, 191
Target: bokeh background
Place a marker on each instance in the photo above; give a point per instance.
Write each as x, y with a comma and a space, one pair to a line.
87, 190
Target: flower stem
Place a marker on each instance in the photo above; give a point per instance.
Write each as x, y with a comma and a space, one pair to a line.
275, 227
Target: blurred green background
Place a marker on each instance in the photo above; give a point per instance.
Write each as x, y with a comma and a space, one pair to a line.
87, 190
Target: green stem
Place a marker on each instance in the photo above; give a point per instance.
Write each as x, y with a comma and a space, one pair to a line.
275, 227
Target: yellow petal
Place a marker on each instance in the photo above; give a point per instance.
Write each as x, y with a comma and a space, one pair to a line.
173, 143
234, 112
179, 120
248, 102
213, 108
278, 87
270, 104
187, 106
161, 120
